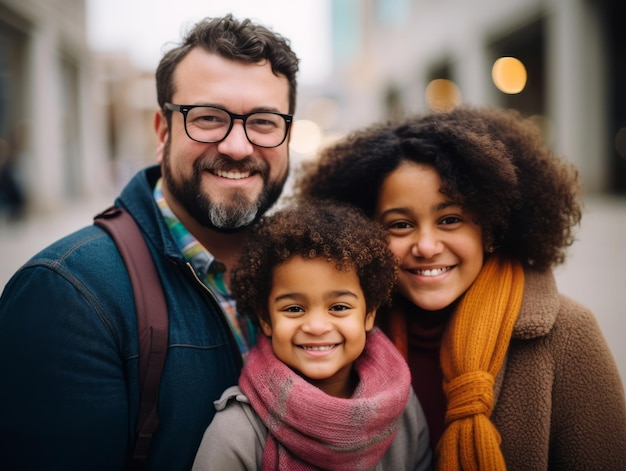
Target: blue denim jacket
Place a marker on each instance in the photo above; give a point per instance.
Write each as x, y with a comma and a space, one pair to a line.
69, 389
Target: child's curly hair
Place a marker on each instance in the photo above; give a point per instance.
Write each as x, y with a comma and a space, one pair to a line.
335, 232
493, 161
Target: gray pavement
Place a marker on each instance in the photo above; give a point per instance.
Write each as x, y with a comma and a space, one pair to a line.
591, 274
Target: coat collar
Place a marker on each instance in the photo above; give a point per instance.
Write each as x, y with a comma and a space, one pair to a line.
540, 306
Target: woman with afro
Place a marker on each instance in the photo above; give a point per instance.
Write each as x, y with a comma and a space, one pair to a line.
511, 374
323, 388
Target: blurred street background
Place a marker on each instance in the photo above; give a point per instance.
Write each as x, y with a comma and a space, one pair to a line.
77, 100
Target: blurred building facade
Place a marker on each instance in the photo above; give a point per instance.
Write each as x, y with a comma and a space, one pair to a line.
77, 124
387, 54
51, 114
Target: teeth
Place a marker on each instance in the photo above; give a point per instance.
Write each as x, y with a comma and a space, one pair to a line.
433, 272
232, 175
321, 348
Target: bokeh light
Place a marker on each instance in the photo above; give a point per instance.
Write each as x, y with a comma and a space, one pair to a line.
306, 136
509, 75
442, 95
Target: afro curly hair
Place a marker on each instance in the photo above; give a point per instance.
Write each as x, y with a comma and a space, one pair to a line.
493, 161
333, 231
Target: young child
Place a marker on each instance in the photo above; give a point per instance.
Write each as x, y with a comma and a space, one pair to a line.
323, 388
511, 374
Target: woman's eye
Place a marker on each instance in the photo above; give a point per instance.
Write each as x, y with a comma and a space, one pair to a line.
398, 225
448, 220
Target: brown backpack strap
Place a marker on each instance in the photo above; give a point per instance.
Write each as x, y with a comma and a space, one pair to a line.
152, 322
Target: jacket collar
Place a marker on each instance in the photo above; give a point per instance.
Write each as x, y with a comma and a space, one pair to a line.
137, 198
540, 306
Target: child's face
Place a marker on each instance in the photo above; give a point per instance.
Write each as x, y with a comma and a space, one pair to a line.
318, 321
439, 246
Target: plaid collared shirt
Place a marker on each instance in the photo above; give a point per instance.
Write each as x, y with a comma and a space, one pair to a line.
210, 271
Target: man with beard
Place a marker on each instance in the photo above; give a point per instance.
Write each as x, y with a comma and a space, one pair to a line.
68, 333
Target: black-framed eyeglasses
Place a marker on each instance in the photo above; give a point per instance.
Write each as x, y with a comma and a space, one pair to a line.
211, 124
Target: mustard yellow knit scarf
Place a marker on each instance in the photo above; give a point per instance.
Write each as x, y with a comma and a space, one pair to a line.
472, 352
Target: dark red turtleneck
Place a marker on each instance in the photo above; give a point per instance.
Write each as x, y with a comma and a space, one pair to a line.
423, 358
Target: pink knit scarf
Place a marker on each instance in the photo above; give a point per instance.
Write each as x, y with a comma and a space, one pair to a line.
308, 429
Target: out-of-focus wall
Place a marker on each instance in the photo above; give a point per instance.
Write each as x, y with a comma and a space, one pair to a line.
52, 121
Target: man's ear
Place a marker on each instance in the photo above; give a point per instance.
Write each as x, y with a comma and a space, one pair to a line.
161, 130
266, 327
370, 317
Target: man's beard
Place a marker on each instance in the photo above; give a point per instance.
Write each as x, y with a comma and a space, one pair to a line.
234, 216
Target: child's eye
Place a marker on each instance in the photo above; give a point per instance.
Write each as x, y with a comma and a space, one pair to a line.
339, 308
293, 309
448, 220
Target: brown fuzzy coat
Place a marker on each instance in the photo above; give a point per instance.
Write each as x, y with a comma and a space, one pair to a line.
559, 398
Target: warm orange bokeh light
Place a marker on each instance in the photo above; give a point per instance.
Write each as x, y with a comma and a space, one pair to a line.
509, 75
442, 95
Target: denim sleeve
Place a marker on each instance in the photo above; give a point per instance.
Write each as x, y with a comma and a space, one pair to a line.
63, 397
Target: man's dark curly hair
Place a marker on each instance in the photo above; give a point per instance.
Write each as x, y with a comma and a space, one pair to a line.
335, 232
492, 161
241, 41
